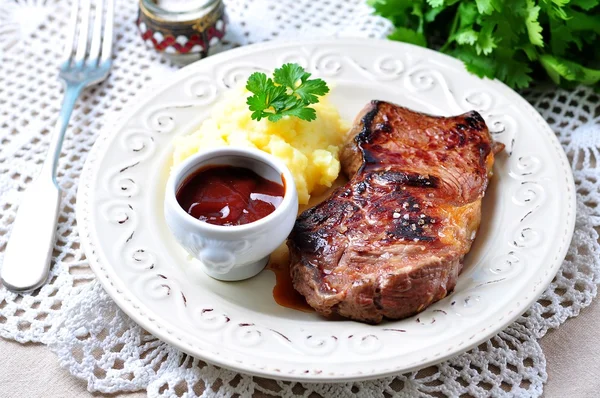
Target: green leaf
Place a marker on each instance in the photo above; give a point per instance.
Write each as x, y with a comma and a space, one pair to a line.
555, 68
274, 117
558, 68
534, 29
560, 37
478, 65
258, 102
466, 36
486, 42
408, 36
555, 8
431, 13
486, 7
511, 69
310, 89
467, 13
580, 22
585, 4
435, 3
530, 51
308, 114
257, 83
277, 97
558, 3
290, 75
295, 78
397, 11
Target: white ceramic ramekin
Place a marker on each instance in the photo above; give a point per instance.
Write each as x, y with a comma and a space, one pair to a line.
232, 253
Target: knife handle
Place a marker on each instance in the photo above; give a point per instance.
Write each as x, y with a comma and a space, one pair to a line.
29, 250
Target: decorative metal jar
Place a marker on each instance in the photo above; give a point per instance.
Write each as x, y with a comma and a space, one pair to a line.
183, 30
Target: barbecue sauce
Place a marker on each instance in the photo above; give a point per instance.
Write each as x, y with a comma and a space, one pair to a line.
229, 195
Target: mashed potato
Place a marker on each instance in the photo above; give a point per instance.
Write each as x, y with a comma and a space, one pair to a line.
309, 149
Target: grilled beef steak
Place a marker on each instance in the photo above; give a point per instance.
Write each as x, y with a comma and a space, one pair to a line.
392, 240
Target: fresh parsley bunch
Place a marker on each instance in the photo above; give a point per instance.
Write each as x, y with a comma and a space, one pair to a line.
512, 40
289, 93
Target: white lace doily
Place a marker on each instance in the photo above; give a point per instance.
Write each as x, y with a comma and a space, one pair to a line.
95, 341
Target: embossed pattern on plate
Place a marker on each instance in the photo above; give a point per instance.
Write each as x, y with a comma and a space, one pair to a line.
528, 219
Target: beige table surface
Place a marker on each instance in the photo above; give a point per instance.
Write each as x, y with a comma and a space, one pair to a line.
572, 353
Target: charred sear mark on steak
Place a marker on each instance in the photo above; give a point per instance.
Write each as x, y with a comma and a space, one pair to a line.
367, 120
392, 240
405, 178
475, 121
316, 227
414, 226
383, 127
410, 231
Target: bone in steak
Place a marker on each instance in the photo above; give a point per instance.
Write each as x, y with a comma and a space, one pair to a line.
392, 240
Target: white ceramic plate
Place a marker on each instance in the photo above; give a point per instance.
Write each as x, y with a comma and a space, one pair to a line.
528, 220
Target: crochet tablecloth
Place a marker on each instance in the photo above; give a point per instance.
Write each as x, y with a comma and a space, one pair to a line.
95, 341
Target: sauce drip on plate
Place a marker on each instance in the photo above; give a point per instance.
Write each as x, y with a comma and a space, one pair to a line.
229, 195
283, 292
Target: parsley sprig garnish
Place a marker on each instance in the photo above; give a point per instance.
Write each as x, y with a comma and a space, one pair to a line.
288, 93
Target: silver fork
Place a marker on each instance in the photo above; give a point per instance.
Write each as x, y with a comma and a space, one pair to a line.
87, 61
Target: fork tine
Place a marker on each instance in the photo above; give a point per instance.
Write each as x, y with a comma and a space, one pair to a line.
108, 31
84, 32
96, 33
70, 39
